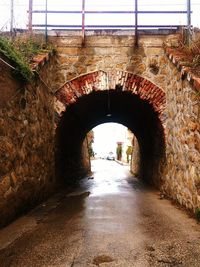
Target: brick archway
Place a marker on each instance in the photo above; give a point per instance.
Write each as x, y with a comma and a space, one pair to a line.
135, 102
114, 80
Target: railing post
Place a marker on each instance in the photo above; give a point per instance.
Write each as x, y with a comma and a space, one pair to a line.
30, 16
188, 22
83, 22
11, 16
46, 34
188, 13
136, 22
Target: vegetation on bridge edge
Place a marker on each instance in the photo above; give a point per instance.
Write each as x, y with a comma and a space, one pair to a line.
22, 70
20, 53
189, 55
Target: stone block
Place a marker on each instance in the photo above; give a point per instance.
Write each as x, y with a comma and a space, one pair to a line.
5, 183
13, 179
152, 41
103, 51
9, 193
155, 51
140, 69
89, 51
192, 126
68, 51
67, 60
60, 41
94, 60
7, 155
135, 59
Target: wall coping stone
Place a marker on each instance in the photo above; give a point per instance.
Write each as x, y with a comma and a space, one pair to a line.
177, 57
41, 59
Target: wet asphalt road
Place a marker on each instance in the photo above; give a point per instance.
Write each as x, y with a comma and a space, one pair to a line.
110, 220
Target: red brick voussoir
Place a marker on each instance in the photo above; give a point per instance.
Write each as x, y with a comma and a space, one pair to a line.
115, 80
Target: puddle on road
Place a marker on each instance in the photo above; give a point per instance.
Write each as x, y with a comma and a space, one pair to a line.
79, 194
102, 259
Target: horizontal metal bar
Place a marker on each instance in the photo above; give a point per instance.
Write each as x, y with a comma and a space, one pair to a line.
107, 26
58, 11
111, 12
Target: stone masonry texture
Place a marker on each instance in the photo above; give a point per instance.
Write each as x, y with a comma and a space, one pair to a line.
27, 122
26, 141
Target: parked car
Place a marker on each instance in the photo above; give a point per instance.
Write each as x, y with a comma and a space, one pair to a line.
102, 156
110, 156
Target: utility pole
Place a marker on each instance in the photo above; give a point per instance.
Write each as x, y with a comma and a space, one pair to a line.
11, 16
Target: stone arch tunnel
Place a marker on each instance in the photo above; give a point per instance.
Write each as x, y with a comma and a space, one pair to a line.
144, 89
121, 97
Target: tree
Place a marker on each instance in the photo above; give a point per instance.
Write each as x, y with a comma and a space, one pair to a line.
90, 140
129, 151
119, 150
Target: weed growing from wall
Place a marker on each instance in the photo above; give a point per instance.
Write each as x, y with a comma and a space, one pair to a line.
197, 213
16, 59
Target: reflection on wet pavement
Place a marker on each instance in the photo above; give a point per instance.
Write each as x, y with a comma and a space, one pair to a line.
111, 219
108, 178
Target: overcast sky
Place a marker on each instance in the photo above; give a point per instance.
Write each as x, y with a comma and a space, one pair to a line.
21, 7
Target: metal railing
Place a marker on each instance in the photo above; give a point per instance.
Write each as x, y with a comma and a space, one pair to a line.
83, 13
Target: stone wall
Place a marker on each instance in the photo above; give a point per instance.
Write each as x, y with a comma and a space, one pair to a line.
26, 141
109, 53
86, 164
135, 159
181, 179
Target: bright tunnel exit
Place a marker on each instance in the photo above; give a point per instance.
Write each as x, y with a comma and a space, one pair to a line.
112, 141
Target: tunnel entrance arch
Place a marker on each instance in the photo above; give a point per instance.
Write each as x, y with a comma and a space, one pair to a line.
100, 97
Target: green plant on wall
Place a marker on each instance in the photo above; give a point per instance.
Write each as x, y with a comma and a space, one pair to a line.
29, 46
197, 213
16, 59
